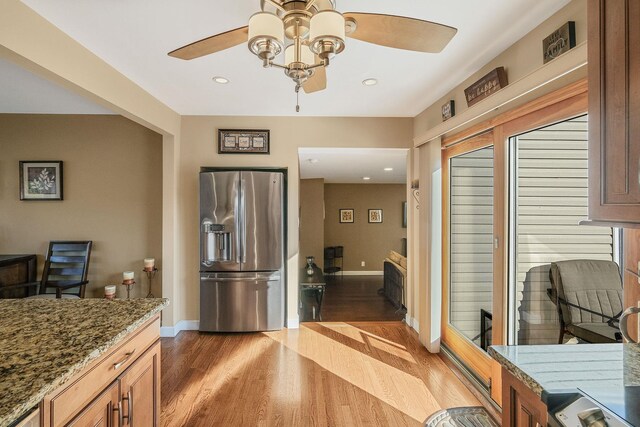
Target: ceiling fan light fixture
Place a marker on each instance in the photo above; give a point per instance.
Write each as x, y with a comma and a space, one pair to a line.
297, 63
266, 35
327, 33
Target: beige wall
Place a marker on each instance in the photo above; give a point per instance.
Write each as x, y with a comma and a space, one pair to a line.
198, 148
312, 220
520, 60
112, 192
363, 241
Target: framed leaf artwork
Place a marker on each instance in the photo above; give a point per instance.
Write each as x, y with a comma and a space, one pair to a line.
41, 180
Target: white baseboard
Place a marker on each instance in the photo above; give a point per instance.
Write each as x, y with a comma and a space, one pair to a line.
293, 323
183, 325
413, 323
361, 273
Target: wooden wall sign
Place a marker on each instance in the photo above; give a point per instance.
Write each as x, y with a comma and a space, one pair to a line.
559, 42
486, 86
448, 110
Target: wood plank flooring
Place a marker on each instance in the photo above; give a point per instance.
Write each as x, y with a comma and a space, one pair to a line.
323, 374
355, 299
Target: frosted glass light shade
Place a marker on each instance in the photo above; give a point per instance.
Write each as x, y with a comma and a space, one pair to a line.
306, 56
266, 25
327, 24
266, 35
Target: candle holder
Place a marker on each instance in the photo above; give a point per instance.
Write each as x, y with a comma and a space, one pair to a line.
150, 275
129, 283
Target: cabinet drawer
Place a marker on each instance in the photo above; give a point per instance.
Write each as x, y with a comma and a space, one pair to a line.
66, 403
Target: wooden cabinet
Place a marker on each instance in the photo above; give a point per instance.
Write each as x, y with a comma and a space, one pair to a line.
521, 407
140, 390
614, 110
121, 388
101, 412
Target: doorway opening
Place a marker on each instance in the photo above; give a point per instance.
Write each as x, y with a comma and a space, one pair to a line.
353, 235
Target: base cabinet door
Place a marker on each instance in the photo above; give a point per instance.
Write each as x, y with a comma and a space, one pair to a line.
102, 412
521, 407
140, 390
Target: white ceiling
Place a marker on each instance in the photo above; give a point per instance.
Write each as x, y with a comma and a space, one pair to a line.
23, 92
134, 36
350, 165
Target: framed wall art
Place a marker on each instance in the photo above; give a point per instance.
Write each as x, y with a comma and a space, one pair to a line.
346, 216
375, 216
239, 141
41, 180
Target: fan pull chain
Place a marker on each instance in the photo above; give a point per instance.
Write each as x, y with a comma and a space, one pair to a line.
297, 98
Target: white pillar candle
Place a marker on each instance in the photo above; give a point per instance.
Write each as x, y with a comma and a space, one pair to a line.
149, 263
110, 292
127, 275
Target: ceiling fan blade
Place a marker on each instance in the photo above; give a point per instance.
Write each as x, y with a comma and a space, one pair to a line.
212, 44
400, 32
317, 82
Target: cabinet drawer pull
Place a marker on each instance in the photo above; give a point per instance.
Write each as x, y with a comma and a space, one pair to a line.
123, 361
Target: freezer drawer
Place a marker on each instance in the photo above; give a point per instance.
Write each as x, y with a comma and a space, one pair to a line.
241, 302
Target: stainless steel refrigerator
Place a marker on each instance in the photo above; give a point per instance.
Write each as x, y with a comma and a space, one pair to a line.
242, 271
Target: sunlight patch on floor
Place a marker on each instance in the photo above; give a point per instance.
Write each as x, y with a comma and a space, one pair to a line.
391, 385
344, 329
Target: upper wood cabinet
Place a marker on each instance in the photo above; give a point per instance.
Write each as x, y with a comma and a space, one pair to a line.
614, 110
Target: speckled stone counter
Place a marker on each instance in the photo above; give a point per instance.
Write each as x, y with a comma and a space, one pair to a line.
566, 367
43, 343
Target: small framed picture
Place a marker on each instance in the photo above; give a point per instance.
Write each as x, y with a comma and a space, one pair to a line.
375, 216
241, 141
346, 215
41, 180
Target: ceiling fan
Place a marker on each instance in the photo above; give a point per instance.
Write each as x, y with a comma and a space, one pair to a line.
312, 32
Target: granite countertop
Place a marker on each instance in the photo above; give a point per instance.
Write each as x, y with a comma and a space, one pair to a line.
44, 342
567, 367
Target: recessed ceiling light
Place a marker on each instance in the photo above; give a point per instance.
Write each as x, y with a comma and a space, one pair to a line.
313, 160
221, 80
366, 178
370, 82
388, 169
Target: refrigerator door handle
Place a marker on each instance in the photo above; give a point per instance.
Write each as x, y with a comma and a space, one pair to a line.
242, 223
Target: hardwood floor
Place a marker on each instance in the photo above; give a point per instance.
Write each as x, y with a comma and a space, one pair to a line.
355, 299
323, 374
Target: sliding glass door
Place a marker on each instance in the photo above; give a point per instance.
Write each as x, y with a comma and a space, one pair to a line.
471, 247
549, 200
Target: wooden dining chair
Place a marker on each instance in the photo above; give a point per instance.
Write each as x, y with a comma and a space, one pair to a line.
65, 270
